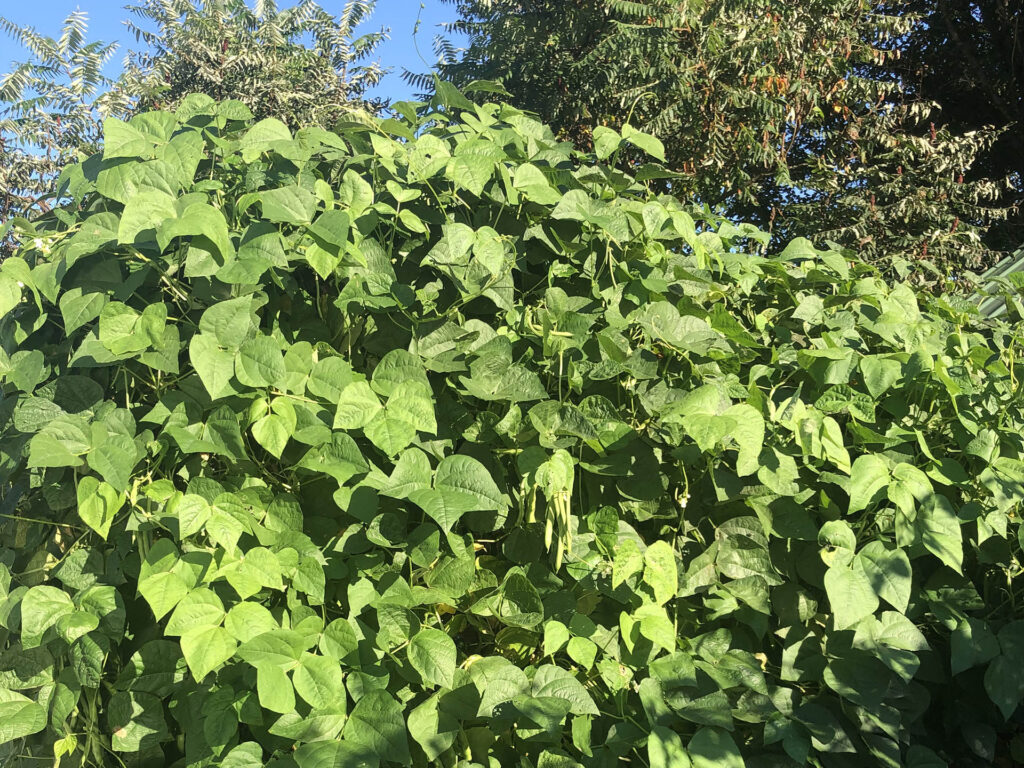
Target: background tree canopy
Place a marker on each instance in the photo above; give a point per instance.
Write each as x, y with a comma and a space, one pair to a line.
47, 114
302, 64
969, 58
809, 118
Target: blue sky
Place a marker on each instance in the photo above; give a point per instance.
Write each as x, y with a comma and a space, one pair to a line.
105, 19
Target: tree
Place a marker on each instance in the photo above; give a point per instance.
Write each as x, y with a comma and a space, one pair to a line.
780, 113
969, 59
303, 64
49, 111
903, 192
736, 92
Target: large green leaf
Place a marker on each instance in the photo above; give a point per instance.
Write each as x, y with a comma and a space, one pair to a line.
432, 654
461, 484
214, 364
714, 748
114, 459
19, 716
274, 688
264, 134
259, 363
200, 608
124, 140
889, 572
98, 504
376, 723
665, 749
331, 228
289, 205
648, 143
136, 721
660, 571
531, 181
868, 476
203, 223
357, 406
206, 648
163, 591
389, 433
41, 608
282, 647
146, 210
972, 643
433, 729
939, 529
850, 594
230, 322
318, 680
395, 367
122, 181
555, 682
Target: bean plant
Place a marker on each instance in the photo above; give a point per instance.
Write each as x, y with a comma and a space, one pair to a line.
431, 441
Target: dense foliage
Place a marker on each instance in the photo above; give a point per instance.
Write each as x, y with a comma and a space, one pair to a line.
47, 111
303, 65
969, 58
795, 115
433, 442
